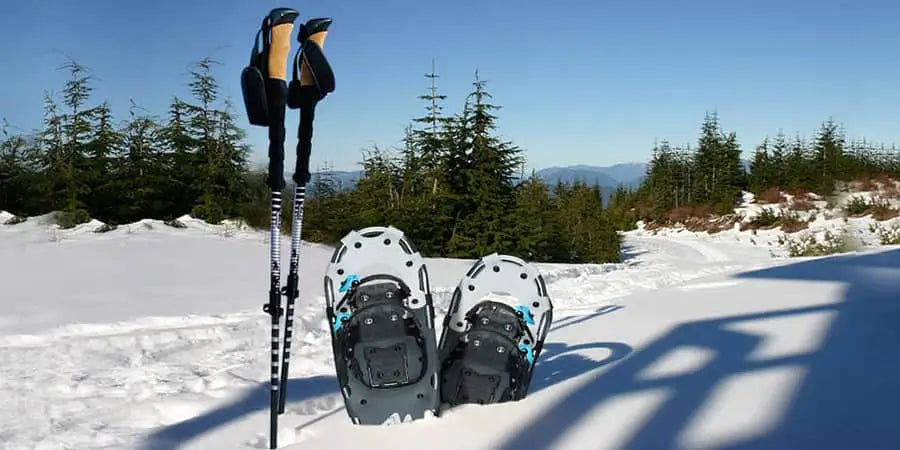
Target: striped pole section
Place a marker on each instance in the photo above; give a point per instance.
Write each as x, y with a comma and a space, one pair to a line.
292, 288
274, 309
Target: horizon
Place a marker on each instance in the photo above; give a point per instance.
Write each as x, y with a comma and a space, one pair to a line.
606, 85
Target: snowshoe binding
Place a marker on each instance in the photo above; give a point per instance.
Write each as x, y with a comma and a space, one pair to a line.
380, 310
493, 332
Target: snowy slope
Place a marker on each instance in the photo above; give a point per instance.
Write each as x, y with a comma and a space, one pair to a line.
153, 337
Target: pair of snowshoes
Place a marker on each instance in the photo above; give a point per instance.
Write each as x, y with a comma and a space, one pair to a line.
390, 365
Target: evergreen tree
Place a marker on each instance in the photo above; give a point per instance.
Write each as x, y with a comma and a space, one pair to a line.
101, 199
17, 172
828, 151
589, 234
491, 165
142, 177
799, 175
718, 167
762, 170
535, 227
430, 140
220, 155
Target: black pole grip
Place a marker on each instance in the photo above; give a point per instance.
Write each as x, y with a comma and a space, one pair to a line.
304, 141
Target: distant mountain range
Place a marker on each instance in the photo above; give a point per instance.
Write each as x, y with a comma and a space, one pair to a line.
628, 174
608, 177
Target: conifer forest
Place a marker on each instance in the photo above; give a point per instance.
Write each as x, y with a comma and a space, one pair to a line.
455, 185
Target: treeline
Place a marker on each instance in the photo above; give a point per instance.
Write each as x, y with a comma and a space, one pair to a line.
455, 186
84, 163
709, 178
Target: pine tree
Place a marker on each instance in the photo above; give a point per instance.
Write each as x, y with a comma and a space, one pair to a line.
101, 198
536, 228
829, 152
778, 160
799, 173
220, 156
718, 167
17, 172
761, 169
142, 176
590, 236
491, 165
430, 141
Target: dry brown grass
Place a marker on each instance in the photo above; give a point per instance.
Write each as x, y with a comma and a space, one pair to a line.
801, 204
799, 192
771, 195
712, 225
682, 213
792, 224
882, 210
863, 184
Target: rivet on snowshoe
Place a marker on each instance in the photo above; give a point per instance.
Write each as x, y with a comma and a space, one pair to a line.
369, 321
389, 294
364, 297
394, 317
507, 327
500, 349
476, 342
485, 321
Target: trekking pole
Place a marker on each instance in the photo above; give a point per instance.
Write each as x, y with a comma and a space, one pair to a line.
315, 82
264, 88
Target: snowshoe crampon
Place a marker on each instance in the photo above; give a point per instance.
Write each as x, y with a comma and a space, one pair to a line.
494, 332
380, 311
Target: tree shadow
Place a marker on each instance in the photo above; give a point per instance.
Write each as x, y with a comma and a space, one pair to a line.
630, 251
559, 362
255, 399
569, 321
847, 399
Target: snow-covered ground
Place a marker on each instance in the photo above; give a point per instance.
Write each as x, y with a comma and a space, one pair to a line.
820, 221
153, 337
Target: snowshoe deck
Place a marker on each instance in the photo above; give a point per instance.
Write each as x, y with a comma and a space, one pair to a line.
493, 332
380, 309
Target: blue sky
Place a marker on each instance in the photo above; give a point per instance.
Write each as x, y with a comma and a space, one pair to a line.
580, 81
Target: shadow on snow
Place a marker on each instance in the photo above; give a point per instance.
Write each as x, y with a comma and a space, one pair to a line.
848, 397
557, 363
255, 399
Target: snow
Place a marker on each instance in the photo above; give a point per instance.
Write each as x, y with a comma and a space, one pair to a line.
150, 336
824, 222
